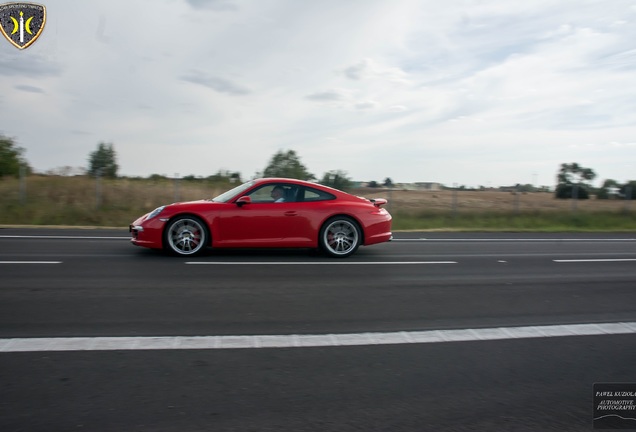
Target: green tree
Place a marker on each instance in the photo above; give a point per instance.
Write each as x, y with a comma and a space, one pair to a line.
628, 190
11, 158
573, 177
104, 160
605, 191
336, 179
226, 176
575, 174
388, 182
287, 164
157, 177
524, 187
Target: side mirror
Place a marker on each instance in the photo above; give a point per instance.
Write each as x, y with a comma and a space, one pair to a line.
243, 200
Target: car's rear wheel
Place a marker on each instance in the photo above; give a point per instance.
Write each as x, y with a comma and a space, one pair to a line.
340, 237
186, 235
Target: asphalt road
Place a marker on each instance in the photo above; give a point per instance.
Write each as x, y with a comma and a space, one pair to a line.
93, 284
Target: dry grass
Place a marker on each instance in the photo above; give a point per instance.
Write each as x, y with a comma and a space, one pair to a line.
488, 201
54, 200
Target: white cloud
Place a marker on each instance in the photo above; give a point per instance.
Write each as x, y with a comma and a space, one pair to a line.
217, 5
366, 105
329, 95
220, 85
397, 108
368, 69
29, 89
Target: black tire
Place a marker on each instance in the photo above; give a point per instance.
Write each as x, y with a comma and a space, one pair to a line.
340, 237
185, 236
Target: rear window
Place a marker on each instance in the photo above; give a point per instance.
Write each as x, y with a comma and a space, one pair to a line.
317, 195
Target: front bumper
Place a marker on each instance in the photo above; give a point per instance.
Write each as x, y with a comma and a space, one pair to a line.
147, 233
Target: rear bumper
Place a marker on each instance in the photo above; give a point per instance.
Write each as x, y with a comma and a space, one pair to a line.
378, 227
378, 238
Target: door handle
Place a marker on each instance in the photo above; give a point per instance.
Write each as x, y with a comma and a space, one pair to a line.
290, 213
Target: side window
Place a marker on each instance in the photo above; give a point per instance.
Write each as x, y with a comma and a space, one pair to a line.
271, 193
262, 194
312, 194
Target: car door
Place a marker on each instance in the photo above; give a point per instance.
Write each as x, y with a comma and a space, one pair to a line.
264, 222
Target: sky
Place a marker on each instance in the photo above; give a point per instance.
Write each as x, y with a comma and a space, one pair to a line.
465, 92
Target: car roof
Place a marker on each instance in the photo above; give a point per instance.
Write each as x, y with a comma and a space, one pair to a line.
301, 183
281, 179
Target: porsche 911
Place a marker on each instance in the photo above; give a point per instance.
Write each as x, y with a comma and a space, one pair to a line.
267, 213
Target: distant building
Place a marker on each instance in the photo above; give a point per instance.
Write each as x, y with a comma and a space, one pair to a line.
429, 186
419, 186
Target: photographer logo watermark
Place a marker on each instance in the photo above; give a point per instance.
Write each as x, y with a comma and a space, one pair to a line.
22, 23
615, 406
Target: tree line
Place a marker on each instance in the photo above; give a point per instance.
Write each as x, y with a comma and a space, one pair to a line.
573, 179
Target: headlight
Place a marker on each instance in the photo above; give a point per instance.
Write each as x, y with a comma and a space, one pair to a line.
155, 212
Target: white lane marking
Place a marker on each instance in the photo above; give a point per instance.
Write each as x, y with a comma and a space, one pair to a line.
318, 262
595, 260
423, 239
308, 340
30, 262
62, 237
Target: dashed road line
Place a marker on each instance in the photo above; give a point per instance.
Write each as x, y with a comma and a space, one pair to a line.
592, 260
504, 240
288, 263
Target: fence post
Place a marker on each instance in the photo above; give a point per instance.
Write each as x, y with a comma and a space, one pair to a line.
176, 187
454, 211
98, 188
22, 184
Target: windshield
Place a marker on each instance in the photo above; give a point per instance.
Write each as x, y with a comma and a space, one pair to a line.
226, 196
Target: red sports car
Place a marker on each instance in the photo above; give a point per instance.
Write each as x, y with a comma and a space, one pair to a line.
271, 212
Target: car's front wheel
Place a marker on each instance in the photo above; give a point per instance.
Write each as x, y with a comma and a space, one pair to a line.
340, 237
185, 235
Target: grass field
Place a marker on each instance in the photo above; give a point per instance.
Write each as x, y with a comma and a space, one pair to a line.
77, 201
